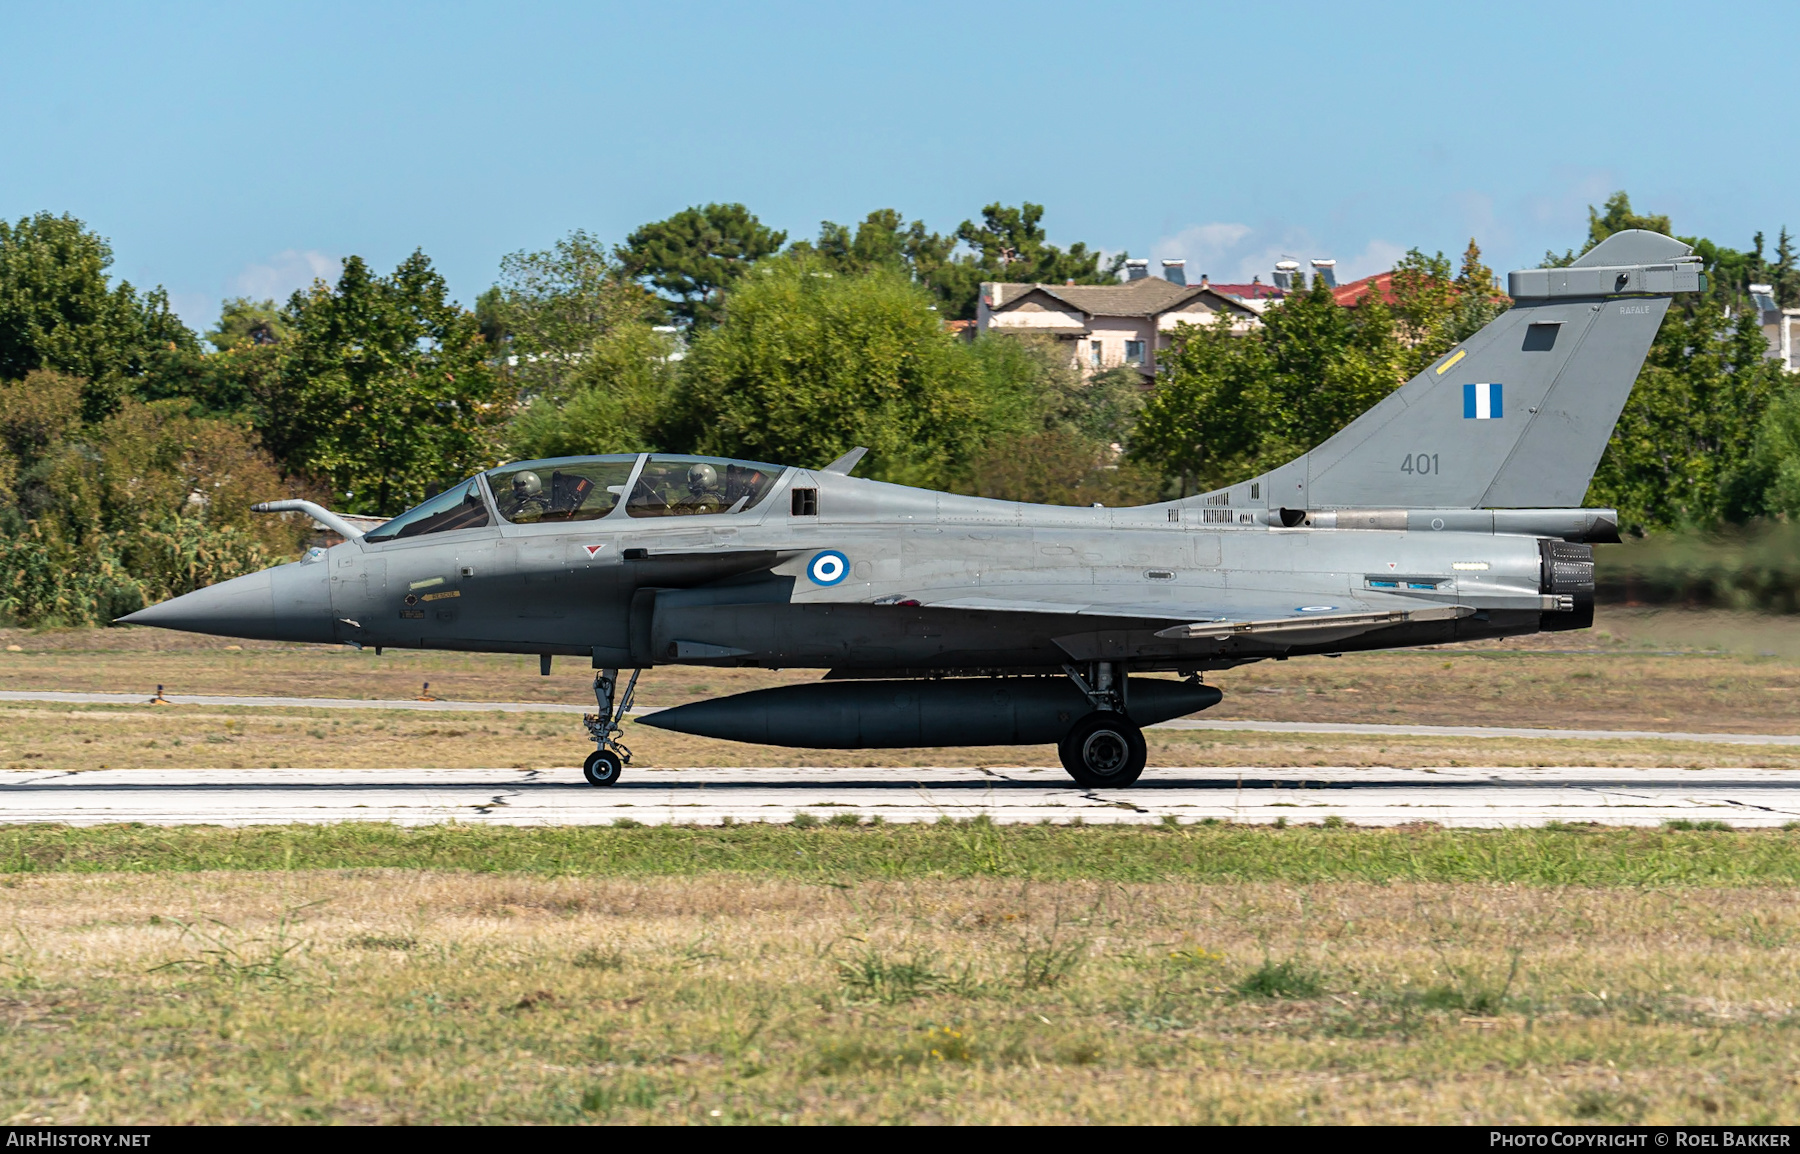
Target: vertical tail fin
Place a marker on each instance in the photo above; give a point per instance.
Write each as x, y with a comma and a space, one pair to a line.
1517, 415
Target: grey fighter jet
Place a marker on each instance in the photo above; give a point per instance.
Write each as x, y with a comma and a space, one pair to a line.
1447, 512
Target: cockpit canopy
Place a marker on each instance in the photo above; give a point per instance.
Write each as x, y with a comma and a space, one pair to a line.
566, 489
458, 507
672, 486
588, 488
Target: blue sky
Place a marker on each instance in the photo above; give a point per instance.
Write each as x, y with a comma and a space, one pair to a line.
247, 148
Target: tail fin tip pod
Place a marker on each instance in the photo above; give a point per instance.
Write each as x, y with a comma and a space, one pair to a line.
1516, 416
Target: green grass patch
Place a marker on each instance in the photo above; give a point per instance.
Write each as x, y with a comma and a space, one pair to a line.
1578, 855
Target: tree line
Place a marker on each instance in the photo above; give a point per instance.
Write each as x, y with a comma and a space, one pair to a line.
131, 446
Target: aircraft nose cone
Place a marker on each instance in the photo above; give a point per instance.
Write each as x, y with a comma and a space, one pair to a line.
286, 603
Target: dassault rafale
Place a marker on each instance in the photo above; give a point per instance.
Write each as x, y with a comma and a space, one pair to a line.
1449, 511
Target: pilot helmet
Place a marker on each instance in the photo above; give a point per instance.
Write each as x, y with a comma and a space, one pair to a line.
702, 477
526, 484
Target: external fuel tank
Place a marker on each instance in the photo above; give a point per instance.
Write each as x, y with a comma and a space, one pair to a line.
901, 714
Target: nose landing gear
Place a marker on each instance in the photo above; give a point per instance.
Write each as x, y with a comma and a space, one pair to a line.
609, 759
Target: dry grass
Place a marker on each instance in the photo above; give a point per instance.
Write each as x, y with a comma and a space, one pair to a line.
440, 997
73, 738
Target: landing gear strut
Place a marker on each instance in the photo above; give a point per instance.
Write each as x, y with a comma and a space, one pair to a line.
609, 759
1105, 748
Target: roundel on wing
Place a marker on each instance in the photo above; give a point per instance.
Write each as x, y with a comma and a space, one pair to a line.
828, 568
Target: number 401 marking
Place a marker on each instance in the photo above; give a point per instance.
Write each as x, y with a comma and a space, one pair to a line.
1419, 463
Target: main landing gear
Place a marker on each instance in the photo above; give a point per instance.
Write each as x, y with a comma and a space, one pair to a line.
1105, 748
609, 759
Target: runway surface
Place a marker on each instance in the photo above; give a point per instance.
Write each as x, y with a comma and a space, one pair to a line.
1451, 796
1181, 723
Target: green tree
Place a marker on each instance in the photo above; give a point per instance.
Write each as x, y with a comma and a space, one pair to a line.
1434, 311
1058, 467
97, 519
1685, 452
697, 254
1478, 301
1328, 364
1424, 310
1784, 274
1682, 454
1207, 422
387, 387
809, 363
243, 321
592, 371
1011, 240
553, 306
1010, 244
1229, 406
58, 311
882, 241
241, 378
1618, 217
1774, 472
615, 401
244, 380
491, 319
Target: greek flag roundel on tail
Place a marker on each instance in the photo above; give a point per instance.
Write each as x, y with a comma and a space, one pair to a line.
1481, 402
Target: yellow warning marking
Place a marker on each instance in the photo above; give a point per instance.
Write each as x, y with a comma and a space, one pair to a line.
441, 596
1445, 367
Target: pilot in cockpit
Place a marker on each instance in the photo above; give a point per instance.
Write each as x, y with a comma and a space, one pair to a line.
703, 493
527, 501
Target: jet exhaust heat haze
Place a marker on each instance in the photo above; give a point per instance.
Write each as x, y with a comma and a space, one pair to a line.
1447, 512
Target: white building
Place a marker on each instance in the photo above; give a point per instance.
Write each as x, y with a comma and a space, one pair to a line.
1117, 324
1781, 327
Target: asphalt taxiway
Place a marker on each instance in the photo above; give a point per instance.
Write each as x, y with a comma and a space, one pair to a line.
1451, 796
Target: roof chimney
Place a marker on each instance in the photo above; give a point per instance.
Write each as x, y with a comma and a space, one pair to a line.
1175, 271
1284, 274
1205, 281
1326, 270
1136, 269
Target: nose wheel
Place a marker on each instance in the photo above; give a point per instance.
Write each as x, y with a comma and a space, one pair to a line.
610, 757
603, 767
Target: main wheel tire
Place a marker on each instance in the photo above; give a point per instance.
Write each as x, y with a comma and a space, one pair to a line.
603, 767
1104, 750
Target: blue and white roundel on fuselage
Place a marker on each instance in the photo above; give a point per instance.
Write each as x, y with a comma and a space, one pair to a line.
828, 568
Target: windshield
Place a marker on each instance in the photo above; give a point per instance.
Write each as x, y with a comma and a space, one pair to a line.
458, 507
572, 489
673, 486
